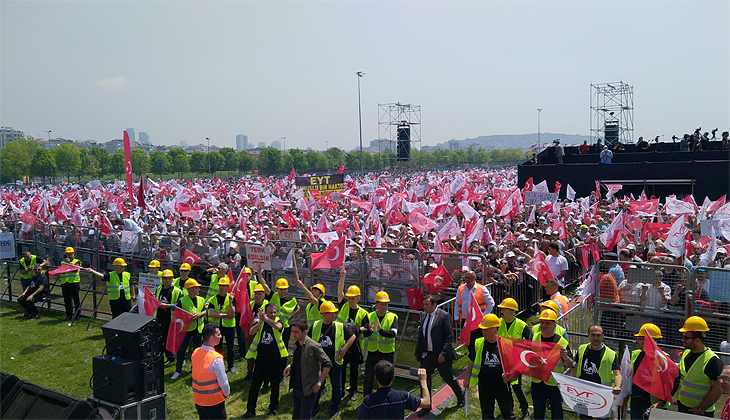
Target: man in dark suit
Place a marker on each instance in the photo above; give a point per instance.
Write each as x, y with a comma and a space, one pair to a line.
435, 349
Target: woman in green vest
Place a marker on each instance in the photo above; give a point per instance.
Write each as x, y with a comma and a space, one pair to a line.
117, 287
220, 307
544, 392
195, 305
511, 326
699, 371
70, 285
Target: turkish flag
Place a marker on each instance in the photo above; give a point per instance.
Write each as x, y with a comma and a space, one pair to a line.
332, 257
140, 193
128, 167
437, 280
179, 325
559, 226
471, 323
342, 169
191, 258
394, 217
151, 303
529, 185
536, 359
538, 268
656, 372
243, 302
291, 176
420, 221
415, 299
64, 268
656, 230
645, 207
557, 187
290, 219
28, 218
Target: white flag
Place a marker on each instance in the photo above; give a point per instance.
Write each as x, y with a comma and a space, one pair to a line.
675, 242
583, 397
570, 193
628, 375
289, 262
708, 257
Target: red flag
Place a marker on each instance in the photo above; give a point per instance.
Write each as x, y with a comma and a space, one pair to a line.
140, 193
471, 323
536, 359
437, 280
332, 257
290, 219
342, 169
28, 218
128, 167
415, 299
557, 187
151, 303
529, 185
645, 207
191, 258
538, 268
64, 268
243, 302
420, 221
179, 325
656, 230
656, 372
291, 176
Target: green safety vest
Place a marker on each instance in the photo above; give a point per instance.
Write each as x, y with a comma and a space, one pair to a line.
477, 367
177, 284
514, 331
284, 311
223, 322
213, 288
114, 286
251, 285
313, 313
604, 370
344, 314
25, 266
376, 342
198, 307
559, 330
176, 295
72, 276
339, 337
694, 385
560, 367
253, 348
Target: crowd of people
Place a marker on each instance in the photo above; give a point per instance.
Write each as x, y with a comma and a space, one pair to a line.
482, 215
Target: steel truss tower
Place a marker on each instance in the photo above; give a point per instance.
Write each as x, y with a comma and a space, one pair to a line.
612, 112
392, 118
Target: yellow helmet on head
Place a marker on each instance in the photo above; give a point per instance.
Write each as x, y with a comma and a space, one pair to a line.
224, 281
318, 286
154, 264
382, 297
119, 261
191, 283
694, 323
327, 307
489, 321
282, 284
653, 330
259, 288
167, 273
509, 303
353, 291
548, 315
185, 266
247, 270
550, 304
69, 250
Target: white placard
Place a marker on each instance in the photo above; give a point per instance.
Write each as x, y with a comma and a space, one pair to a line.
289, 234
130, 241
583, 397
536, 197
7, 246
150, 280
258, 257
720, 226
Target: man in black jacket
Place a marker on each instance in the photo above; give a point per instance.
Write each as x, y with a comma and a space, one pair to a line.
434, 348
36, 290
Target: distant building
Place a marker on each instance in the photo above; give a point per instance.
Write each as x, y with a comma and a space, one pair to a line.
132, 137
276, 144
241, 142
262, 144
183, 144
53, 143
113, 146
7, 134
144, 138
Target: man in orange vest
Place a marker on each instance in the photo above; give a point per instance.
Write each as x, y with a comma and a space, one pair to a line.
470, 288
210, 383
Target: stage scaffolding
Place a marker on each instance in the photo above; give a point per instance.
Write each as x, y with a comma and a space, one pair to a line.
612, 108
391, 118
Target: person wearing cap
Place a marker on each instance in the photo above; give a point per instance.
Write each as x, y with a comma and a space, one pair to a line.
258, 302
381, 333
434, 348
641, 400
511, 326
355, 319
37, 289
179, 282
548, 392
606, 155
464, 294
315, 294
70, 285
195, 305
597, 363
213, 275
169, 296
485, 370
213, 256
268, 350
286, 307
117, 287
699, 371
27, 263
335, 341
154, 268
221, 308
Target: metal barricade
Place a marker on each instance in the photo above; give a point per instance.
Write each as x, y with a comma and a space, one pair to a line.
709, 298
576, 322
393, 270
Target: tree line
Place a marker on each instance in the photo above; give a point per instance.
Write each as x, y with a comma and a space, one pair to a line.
23, 158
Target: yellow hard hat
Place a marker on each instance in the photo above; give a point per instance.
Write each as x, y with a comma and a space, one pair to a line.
654, 331
694, 323
548, 316
327, 307
318, 286
550, 304
259, 288
353, 291
154, 264
489, 321
509, 303
185, 266
282, 284
191, 283
224, 281
69, 250
167, 273
382, 297
247, 270
119, 261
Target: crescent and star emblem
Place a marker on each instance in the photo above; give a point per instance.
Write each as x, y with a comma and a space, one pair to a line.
189, 260
128, 167
182, 324
526, 363
677, 239
438, 280
664, 362
337, 255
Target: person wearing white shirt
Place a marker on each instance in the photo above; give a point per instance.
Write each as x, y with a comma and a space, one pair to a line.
210, 394
557, 263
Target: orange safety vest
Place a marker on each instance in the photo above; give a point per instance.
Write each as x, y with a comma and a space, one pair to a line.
562, 303
479, 295
206, 390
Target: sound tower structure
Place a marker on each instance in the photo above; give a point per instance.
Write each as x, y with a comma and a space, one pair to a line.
612, 112
399, 131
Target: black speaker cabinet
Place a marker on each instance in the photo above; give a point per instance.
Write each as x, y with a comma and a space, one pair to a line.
29, 401
152, 408
133, 336
123, 381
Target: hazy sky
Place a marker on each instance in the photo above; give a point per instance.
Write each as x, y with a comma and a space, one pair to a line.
190, 70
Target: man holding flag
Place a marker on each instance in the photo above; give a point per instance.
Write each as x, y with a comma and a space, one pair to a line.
511, 326
547, 391
194, 305
168, 296
642, 400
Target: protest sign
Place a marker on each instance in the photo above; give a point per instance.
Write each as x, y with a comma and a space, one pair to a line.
258, 257
7, 245
583, 397
323, 184
149, 280
536, 197
288, 234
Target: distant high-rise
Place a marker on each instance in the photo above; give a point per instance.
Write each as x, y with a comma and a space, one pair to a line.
7, 134
262, 144
241, 142
132, 137
144, 138
276, 144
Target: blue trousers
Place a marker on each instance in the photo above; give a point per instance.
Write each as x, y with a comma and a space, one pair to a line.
335, 376
541, 395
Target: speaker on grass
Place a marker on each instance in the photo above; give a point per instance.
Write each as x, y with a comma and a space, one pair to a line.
133, 336
123, 381
36, 402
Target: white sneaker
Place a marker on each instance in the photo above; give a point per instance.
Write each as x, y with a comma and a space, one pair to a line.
175, 376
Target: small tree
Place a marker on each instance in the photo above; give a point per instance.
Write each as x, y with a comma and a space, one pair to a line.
67, 159
43, 164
